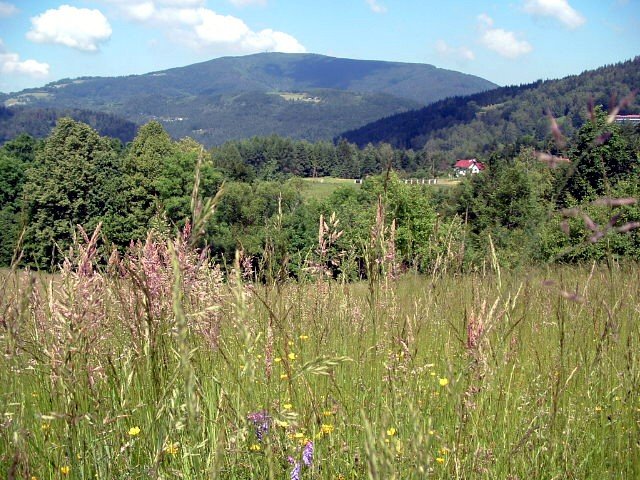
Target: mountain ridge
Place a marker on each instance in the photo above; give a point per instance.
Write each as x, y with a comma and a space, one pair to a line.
350, 93
466, 126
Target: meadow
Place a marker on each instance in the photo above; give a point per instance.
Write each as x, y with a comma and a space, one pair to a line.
157, 364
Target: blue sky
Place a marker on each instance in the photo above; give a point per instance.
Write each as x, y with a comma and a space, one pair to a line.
505, 41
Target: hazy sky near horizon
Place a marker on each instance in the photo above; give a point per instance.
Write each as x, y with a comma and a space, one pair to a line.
505, 41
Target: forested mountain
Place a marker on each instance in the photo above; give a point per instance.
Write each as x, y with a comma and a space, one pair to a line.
297, 95
473, 125
38, 122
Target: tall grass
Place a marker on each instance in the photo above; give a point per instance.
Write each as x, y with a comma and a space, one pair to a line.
153, 366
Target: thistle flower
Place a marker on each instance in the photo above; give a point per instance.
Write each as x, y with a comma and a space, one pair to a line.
307, 454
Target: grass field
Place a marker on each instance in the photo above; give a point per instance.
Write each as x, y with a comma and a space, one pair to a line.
321, 188
156, 367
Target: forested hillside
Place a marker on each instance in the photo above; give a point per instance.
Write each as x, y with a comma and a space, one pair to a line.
462, 127
38, 122
301, 96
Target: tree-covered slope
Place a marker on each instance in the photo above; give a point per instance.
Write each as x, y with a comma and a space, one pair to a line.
299, 95
38, 122
472, 125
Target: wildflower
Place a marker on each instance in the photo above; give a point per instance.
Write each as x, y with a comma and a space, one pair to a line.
291, 356
255, 447
295, 473
598, 408
65, 470
287, 406
326, 429
134, 431
277, 360
171, 449
261, 422
444, 451
443, 382
45, 427
282, 424
307, 454
432, 432
298, 435
391, 432
290, 343
440, 460
304, 337
283, 376
327, 413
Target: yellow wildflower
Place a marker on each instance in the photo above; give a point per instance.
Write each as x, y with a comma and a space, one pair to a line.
326, 429
283, 376
171, 449
277, 359
440, 460
45, 427
598, 408
298, 435
65, 470
292, 356
282, 424
133, 431
290, 343
287, 406
304, 337
255, 447
444, 451
432, 432
443, 382
327, 413
391, 432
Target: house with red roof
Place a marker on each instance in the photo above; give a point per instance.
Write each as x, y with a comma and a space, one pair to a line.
468, 167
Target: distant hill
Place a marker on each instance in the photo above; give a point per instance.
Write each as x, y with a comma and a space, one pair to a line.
472, 125
38, 122
298, 95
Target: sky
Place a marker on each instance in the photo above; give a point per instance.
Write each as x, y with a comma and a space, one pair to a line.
506, 41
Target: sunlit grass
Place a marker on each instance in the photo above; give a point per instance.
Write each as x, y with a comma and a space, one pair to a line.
458, 377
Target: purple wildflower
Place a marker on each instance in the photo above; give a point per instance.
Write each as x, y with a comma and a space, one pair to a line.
260, 421
295, 473
307, 454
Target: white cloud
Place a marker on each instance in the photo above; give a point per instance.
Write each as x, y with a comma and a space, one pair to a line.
376, 6
203, 28
558, 9
10, 63
501, 41
7, 9
79, 28
457, 53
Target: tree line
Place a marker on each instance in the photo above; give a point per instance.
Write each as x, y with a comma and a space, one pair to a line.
520, 209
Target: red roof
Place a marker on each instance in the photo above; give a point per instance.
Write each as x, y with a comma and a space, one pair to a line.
469, 163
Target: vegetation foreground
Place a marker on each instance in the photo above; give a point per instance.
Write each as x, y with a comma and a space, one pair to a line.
156, 365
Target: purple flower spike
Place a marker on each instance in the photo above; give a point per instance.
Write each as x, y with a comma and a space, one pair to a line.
295, 473
307, 454
260, 421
